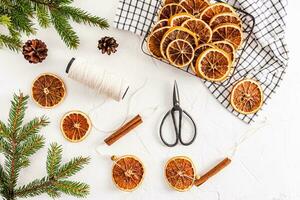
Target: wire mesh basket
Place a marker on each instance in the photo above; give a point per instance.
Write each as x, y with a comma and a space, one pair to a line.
221, 90
248, 23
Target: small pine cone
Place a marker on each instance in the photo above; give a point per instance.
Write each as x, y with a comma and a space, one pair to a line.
35, 51
107, 45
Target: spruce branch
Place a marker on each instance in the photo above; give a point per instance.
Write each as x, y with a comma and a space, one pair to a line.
10, 42
21, 18
35, 188
72, 167
6, 4
32, 127
80, 16
54, 159
59, 13
3, 178
18, 142
73, 188
16, 113
43, 16
64, 29
4, 132
5, 20
31, 145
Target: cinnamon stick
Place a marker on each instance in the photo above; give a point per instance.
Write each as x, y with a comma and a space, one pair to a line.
212, 172
137, 120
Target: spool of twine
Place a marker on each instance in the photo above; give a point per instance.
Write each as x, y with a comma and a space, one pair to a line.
98, 79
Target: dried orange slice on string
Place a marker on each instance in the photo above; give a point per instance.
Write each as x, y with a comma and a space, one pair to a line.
160, 24
75, 126
167, 11
127, 172
177, 32
198, 50
224, 18
194, 7
246, 96
171, 1
213, 65
48, 90
215, 9
227, 47
178, 19
180, 53
200, 28
154, 40
228, 32
180, 173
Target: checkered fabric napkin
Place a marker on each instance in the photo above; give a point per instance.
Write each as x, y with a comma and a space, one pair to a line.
264, 57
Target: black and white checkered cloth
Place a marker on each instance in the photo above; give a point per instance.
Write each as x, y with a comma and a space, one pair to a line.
264, 57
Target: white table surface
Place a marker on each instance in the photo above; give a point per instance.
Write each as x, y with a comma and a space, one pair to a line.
266, 166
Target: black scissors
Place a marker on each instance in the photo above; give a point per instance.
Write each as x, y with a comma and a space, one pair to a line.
177, 123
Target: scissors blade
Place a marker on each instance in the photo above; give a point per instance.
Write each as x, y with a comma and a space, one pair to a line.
176, 100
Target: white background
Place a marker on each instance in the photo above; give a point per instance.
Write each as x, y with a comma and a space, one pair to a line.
266, 166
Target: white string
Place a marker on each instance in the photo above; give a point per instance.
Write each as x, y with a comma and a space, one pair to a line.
145, 114
246, 136
127, 114
100, 80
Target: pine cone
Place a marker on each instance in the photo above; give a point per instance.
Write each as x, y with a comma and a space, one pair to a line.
107, 45
35, 51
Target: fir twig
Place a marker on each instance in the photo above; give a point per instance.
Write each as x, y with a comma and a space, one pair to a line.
32, 127
18, 143
59, 13
16, 116
54, 159
73, 188
64, 29
72, 167
43, 16
81, 16
12, 43
35, 188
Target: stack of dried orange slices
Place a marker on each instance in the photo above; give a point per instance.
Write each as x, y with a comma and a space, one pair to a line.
198, 34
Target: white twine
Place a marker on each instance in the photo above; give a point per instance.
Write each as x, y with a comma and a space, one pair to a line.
100, 80
102, 149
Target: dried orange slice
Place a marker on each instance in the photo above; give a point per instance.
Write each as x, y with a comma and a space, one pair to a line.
200, 28
198, 51
48, 90
177, 32
75, 126
169, 10
160, 24
178, 19
227, 47
127, 172
246, 96
154, 40
224, 18
180, 53
180, 173
228, 32
213, 65
194, 7
215, 9
171, 1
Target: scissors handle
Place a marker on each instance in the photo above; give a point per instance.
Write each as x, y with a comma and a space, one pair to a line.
195, 131
161, 134
177, 127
